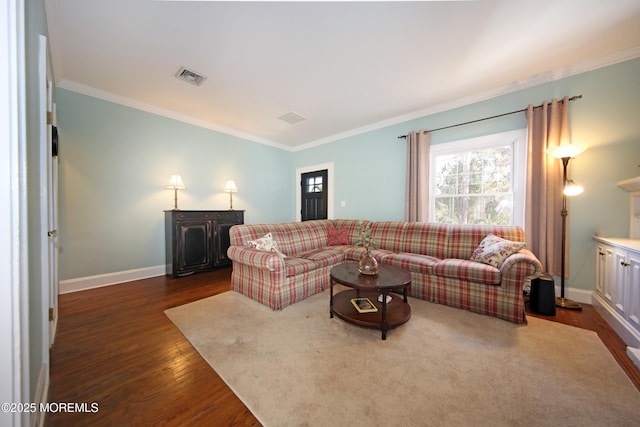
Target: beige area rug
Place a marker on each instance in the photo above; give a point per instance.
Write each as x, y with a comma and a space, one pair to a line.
445, 367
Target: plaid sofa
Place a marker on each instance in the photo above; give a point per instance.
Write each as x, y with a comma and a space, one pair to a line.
436, 255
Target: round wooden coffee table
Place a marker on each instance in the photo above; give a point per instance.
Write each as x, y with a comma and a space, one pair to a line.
386, 315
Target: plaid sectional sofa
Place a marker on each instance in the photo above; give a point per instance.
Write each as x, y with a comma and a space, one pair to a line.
437, 255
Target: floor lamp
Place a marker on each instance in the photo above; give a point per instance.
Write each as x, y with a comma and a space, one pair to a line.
569, 188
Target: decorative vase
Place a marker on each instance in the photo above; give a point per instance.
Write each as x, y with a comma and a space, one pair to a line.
368, 264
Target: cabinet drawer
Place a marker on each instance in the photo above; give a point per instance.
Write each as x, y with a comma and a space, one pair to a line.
226, 216
229, 216
189, 216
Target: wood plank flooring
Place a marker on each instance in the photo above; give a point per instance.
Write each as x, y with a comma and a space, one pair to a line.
116, 347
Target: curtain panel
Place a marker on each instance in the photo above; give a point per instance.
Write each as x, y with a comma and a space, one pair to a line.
547, 126
416, 206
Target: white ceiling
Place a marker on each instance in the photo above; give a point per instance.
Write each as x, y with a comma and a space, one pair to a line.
346, 67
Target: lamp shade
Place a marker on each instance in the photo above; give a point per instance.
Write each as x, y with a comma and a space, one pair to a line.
230, 187
564, 150
176, 182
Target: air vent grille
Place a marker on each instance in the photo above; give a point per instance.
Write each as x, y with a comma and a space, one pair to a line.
190, 76
292, 118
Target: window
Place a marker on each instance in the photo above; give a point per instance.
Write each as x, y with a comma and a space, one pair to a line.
479, 180
314, 184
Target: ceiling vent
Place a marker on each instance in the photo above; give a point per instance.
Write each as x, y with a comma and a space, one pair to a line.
190, 76
292, 118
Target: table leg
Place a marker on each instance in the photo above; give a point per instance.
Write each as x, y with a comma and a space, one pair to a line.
384, 326
331, 298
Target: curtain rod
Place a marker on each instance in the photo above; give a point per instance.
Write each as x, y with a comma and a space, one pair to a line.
573, 98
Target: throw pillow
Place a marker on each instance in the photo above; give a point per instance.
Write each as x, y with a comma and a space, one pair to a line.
337, 236
493, 250
266, 243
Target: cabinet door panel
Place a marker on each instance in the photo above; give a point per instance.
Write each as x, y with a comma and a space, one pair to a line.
634, 290
222, 243
601, 269
609, 282
621, 275
197, 241
194, 246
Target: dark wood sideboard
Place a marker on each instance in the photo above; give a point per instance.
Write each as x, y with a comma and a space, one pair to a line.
197, 241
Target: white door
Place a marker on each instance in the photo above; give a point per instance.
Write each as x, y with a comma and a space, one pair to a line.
48, 200
53, 219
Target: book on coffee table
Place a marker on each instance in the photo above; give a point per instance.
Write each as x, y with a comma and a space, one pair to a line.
364, 305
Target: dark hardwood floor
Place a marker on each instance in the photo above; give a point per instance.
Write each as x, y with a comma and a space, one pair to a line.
115, 347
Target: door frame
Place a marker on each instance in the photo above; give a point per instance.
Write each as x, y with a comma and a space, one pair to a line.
330, 187
14, 301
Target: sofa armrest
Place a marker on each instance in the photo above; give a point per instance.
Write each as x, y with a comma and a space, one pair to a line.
520, 266
255, 258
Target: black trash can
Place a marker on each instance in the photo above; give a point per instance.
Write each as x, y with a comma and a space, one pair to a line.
542, 299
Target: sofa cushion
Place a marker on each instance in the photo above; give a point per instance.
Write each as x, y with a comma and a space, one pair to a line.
298, 237
295, 266
467, 270
389, 235
265, 243
426, 239
493, 250
464, 239
323, 257
355, 253
411, 262
353, 228
337, 236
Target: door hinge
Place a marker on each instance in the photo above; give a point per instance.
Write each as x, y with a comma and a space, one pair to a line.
49, 118
50, 314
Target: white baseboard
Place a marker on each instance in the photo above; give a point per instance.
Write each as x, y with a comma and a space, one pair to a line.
634, 355
628, 334
100, 280
42, 390
574, 294
577, 295
53, 331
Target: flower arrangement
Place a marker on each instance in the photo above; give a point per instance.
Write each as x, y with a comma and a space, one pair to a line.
364, 237
367, 264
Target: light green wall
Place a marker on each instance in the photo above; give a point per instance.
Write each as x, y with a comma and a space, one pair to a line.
369, 168
368, 174
115, 163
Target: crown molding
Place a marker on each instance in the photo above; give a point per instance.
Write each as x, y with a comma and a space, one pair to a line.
617, 57
128, 102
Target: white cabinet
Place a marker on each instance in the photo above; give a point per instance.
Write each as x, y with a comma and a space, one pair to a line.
623, 277
633, 290
617, 286
602, 261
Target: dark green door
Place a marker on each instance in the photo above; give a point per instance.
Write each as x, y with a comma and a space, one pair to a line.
314, 195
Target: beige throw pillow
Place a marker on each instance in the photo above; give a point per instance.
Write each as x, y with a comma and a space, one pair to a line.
494, 250
266, 243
